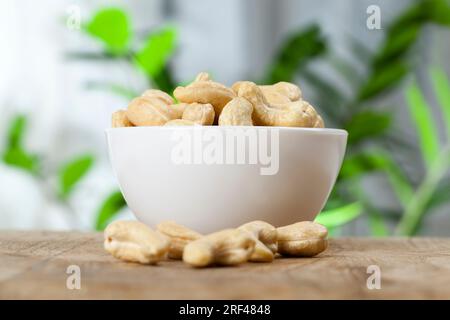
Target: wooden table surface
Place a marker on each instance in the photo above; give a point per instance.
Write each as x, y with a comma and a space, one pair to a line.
33, 265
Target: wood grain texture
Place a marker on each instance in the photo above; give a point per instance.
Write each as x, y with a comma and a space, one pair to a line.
33, 266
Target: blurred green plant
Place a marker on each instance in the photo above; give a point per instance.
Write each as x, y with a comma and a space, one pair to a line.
112, 27
337, 217
72, 172
374, 142
16, 155
436, 159
109, 208
295, 52
149, 55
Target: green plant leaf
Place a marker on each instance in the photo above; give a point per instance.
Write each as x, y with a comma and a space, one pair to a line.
16, 131
157, 51
377, 160
109, 208
441, 86
441, 196
112, 27
15, 154
340, 216
18, 157
377, 225
438, 11
298, 49
401, 186
328, 97
416, 209
423, 121
367, 124
165, 81
397, 44
334, 232
415, 14
382, 80
72, 173
360, 163
388, 66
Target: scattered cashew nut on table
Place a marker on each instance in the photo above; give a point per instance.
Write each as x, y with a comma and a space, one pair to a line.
226, 247
255, 241
179, 236
265, 236
135, 242
302, 239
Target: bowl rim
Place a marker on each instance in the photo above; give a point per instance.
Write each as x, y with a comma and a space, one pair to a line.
332, 131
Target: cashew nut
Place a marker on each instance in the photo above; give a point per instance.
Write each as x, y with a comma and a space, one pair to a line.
226, 247
237, 112
275, 99
203, 76
309, 109
199, 113
119, 119
179, 122
286, 89
155, 93
265, 236
319, 122
292, 114
179, 236
178, 109
203, 101
148, 111
302, 239
134, 241
276, 94
203, 90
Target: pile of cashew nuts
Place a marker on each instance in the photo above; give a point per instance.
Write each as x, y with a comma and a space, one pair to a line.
206, 102
256, 241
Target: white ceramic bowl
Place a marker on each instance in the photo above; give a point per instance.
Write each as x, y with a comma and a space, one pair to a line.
209, 196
